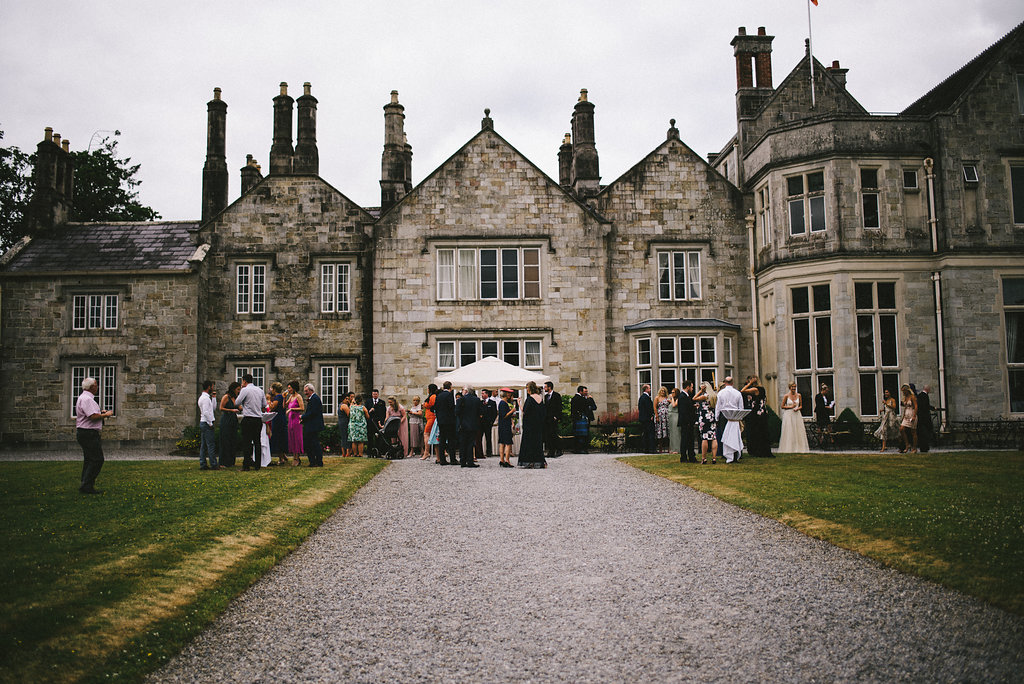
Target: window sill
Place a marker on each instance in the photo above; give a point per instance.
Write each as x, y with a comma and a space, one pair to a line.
488, 302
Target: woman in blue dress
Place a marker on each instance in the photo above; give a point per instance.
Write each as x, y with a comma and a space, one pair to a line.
531, 448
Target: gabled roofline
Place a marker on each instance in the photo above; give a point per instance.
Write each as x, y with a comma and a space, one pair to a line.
791, 76
594, 214
655, 151
260, 182
961, 81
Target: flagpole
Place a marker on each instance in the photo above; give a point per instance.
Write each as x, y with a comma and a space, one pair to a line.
810, 52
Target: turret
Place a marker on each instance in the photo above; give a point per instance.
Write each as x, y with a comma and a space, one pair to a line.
215, 171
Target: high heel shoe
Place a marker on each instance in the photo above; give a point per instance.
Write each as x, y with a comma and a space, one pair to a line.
296, 461
713, 461
704, 460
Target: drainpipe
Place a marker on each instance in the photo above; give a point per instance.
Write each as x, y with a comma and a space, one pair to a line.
933, 225
751, 231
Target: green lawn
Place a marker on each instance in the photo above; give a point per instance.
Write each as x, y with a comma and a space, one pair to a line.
109, 586
955, 518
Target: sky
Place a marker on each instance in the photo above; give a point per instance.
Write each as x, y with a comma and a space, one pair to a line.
147, 69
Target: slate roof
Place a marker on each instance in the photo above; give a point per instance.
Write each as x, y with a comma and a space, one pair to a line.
142, 246
943, 96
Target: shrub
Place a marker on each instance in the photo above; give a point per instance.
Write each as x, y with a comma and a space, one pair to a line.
613, 419
189, 441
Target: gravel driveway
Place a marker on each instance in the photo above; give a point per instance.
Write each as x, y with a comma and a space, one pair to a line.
587, 571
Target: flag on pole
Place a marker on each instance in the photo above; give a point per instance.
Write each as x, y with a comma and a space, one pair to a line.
814, 2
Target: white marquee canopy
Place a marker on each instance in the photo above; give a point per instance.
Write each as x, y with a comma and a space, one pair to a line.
492, 373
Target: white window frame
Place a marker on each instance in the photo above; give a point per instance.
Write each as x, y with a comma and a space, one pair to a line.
105, 374
809, 201
764, 210
251, 287
515, 276
335, 287
525, 351
878, 368
94, 311
1016, 203
670, 272
258, 372
869, 194
335, 383
812, 316
917, 181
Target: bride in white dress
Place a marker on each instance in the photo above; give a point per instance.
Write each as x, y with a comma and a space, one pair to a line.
794, 437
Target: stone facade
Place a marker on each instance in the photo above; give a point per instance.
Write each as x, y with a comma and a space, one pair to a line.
806, 249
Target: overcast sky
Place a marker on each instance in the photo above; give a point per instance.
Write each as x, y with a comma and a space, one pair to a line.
147, 68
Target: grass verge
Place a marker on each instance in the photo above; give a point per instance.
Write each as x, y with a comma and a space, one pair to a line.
108, 587
954, 518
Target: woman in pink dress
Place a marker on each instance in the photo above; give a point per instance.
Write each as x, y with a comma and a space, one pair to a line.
295, 406
397, 410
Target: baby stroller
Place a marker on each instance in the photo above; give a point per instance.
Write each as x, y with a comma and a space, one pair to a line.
386, 443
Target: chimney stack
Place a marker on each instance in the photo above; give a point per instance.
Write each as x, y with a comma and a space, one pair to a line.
281, 152
565, 162
753, 58
584, 173
396, 160
53, 183
307, 158
838, 73
250, 174
215, 171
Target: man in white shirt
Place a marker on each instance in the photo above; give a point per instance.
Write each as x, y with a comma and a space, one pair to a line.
88, 423
206, 417
250, 404
730, 398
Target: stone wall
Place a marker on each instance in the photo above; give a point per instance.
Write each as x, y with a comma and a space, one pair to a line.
488, 195
292, 224
153, 349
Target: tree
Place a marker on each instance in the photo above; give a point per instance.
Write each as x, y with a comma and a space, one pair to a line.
105, 189
15, 190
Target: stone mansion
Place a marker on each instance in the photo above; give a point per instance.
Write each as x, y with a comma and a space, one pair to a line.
821, 244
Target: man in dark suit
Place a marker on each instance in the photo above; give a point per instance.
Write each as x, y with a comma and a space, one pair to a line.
824, 407
581, 414
467, 413
378, 411
444, 412
687, 418
488, 414
646, 408
312, 420
552, 415
925, 428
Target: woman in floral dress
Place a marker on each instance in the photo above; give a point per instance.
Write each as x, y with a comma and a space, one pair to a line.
662, 405
705, 401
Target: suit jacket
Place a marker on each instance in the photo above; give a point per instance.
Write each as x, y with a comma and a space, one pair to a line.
553, 408
646, 408
822, 410
687, 413
444, 408
378, 411
924, 409
488, 413
313, 417
468, 412
581, 407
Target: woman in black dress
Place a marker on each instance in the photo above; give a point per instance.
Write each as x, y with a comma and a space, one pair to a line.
228, 426
505, 412
531, 448
279, 425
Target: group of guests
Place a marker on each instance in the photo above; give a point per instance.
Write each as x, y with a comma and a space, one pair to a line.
909, 420
461, 423
284, 423
706, 415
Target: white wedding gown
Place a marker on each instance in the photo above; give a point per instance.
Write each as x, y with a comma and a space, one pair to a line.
794, 436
